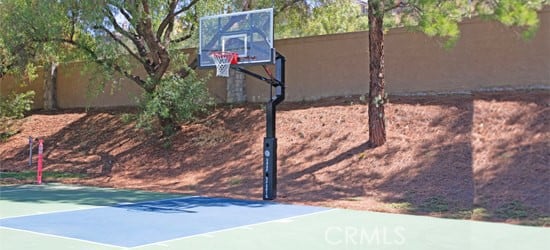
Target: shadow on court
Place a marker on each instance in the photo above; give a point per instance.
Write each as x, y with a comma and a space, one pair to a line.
185, 205
127, 199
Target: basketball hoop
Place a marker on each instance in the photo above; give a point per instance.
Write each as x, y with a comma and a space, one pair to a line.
223, 61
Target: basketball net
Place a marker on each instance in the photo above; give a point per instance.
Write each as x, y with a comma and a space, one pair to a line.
223, 61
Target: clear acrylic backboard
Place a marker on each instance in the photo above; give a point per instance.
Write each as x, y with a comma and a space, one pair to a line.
248, 33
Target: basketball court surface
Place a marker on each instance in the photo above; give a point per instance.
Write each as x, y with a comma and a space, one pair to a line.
55, 216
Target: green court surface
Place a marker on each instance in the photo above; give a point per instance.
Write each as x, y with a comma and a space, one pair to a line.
67, 217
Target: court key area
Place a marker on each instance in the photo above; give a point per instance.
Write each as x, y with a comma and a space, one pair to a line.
55, 216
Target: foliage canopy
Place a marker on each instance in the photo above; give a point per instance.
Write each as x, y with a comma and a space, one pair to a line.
114, 35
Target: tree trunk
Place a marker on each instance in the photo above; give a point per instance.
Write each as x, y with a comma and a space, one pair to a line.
50, 87
377, 126
168, 125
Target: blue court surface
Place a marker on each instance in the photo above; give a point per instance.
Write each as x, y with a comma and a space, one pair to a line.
60, 217
130, 225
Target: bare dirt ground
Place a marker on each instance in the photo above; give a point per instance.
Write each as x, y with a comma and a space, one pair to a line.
481, 156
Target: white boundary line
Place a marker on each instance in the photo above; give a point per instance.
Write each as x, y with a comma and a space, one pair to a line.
51, 212
247, 226
115, 205
62, 237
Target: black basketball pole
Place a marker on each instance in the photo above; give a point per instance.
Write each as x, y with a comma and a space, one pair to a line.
270, 141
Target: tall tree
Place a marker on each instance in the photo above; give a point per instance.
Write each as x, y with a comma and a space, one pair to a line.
114, 35
377, 126
435, 18
117, 34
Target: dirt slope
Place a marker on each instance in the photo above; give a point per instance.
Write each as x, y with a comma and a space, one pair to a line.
482, 156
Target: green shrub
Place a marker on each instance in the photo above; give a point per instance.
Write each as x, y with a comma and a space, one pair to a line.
176, 98
15, 105
12, 109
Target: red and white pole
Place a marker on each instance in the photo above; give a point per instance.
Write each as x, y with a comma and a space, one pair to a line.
39, 169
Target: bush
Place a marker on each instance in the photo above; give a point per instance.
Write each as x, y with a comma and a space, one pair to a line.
175, 98
12, 109
15, 105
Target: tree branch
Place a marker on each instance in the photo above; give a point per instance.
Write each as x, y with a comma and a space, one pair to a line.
125, 13
184, 71
100, 61
287, 5
168, 19
120, 42
186, 8
183, 38
145, 29
400, 4
133, 37
73, 24
158, 53
167, 23
246, 5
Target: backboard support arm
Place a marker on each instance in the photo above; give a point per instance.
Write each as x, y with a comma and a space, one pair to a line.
270, 140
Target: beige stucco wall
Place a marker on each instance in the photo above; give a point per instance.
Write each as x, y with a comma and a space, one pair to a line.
10, 84
74, 89
487, 55
320, 66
